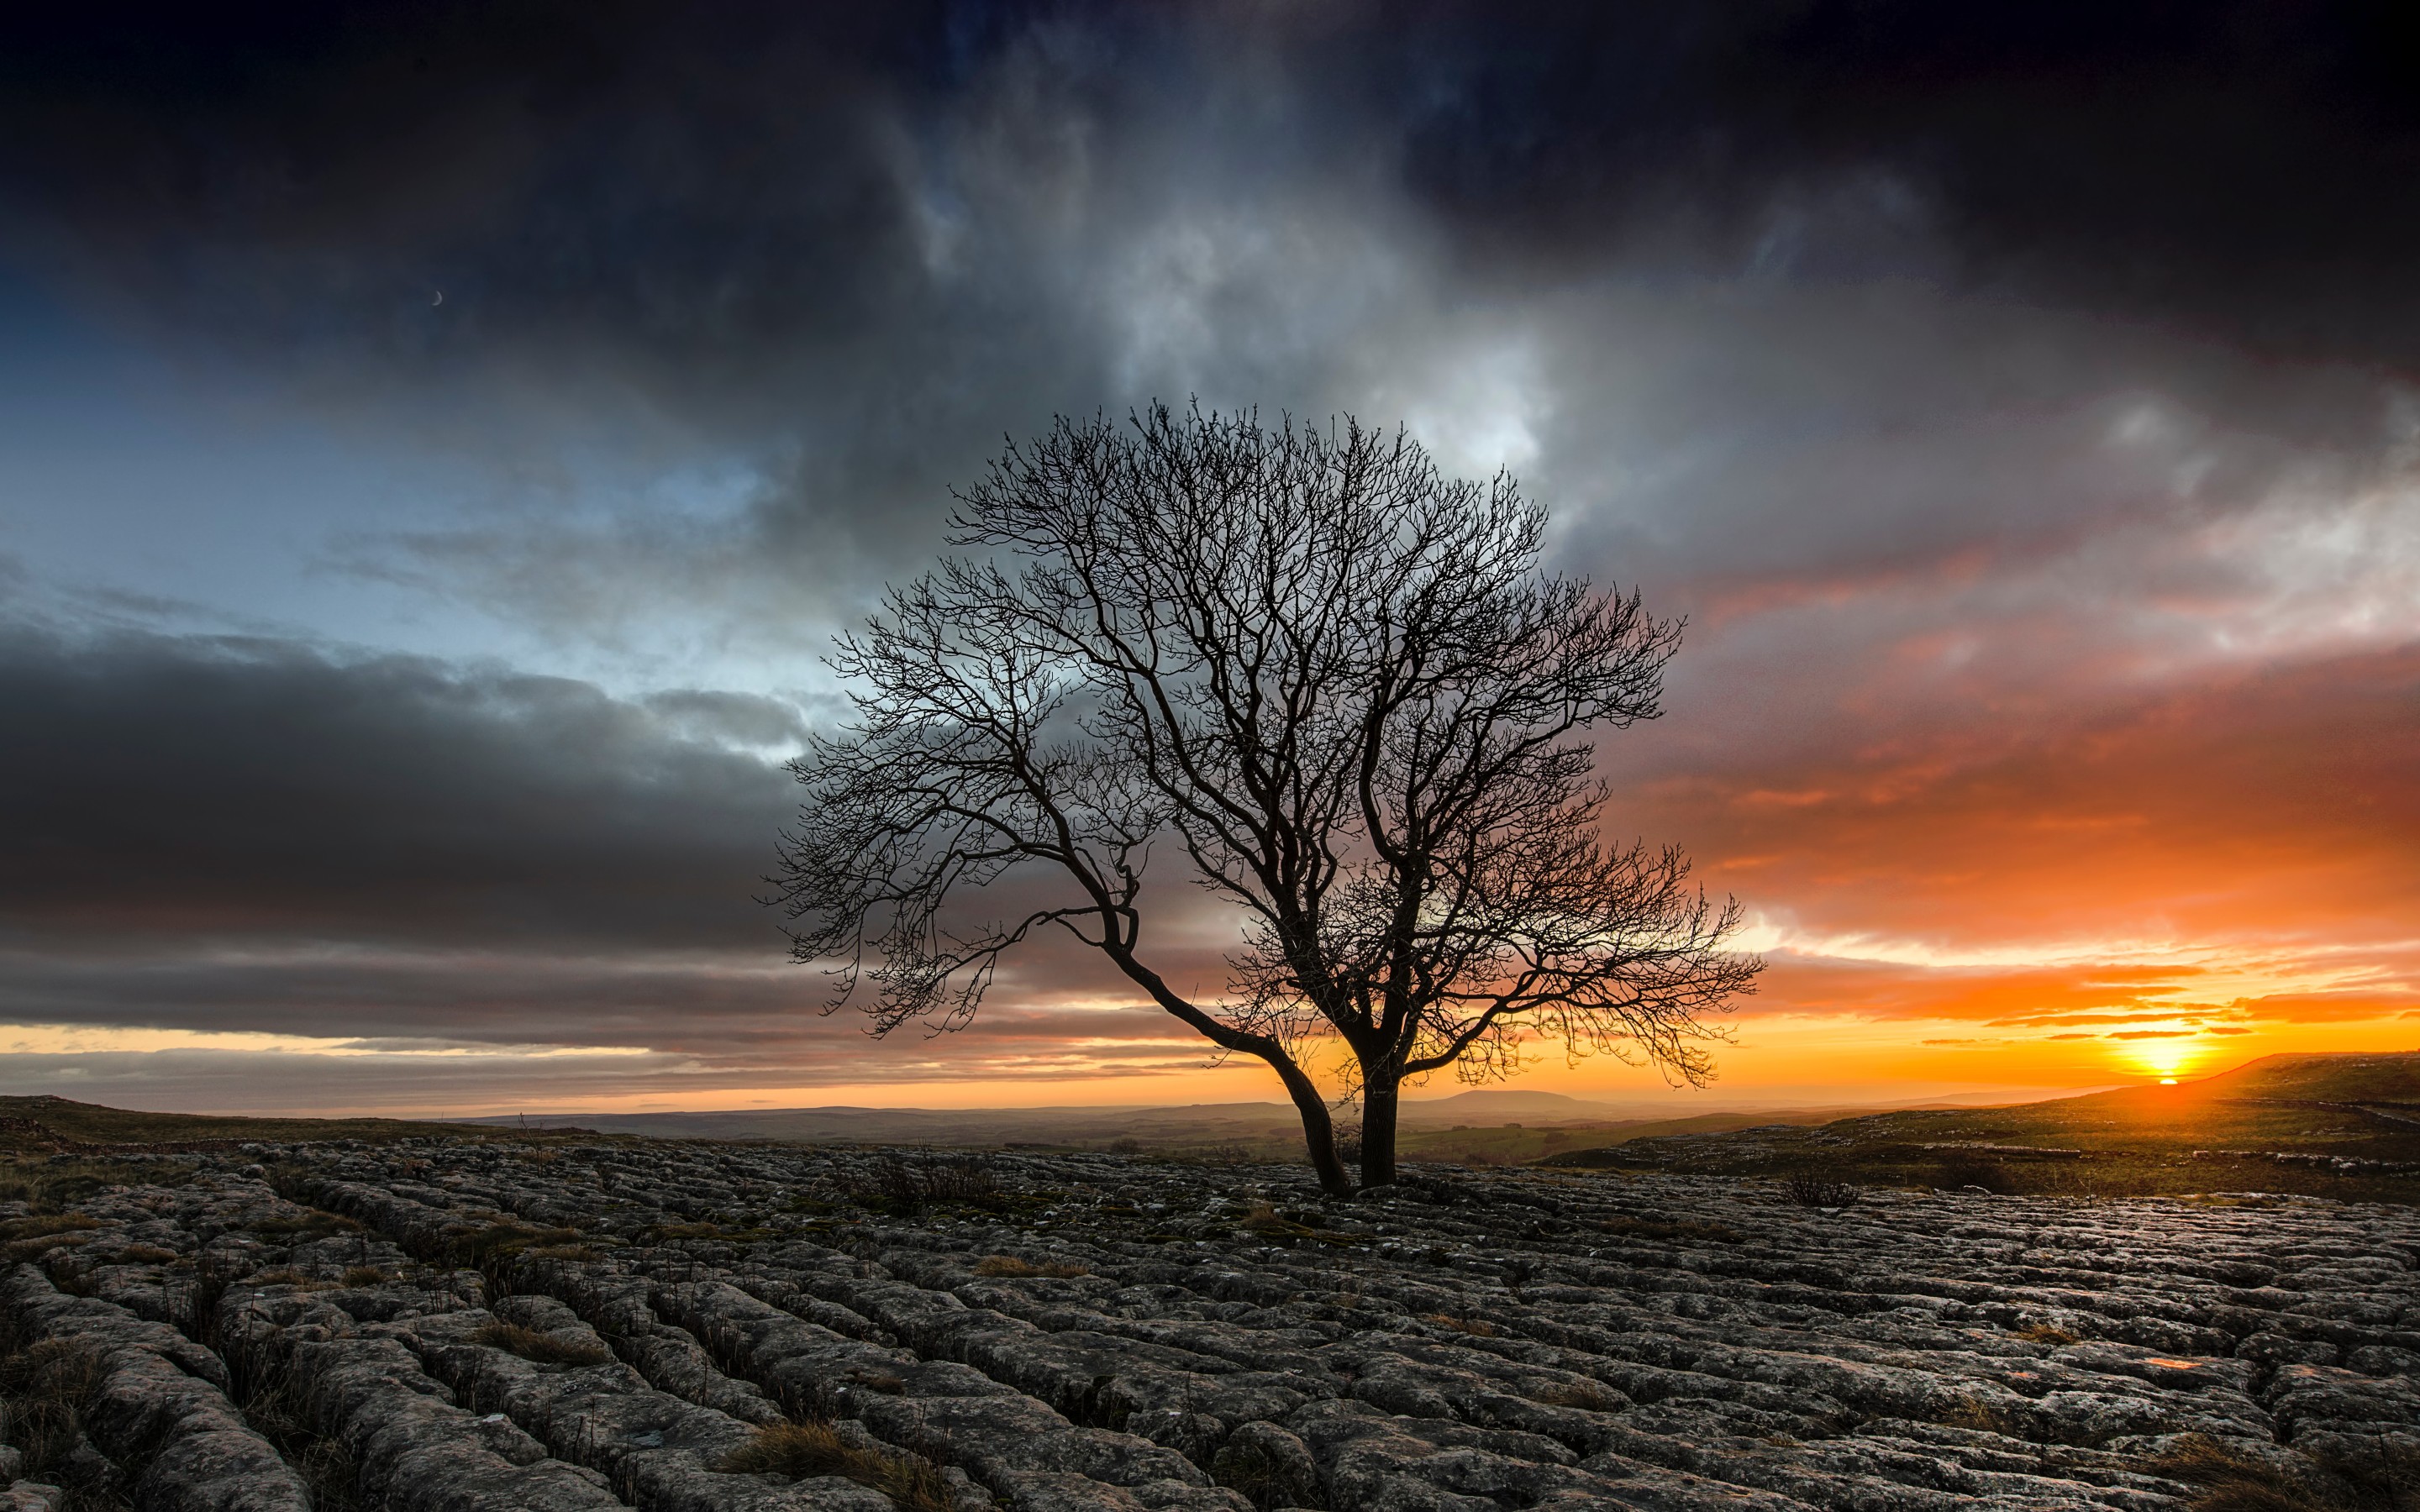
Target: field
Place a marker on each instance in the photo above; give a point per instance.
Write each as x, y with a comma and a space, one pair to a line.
433, 1321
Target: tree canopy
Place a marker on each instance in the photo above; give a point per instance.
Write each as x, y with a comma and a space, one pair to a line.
1340, 685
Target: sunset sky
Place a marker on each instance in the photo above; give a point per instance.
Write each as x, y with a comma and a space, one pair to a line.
437, 444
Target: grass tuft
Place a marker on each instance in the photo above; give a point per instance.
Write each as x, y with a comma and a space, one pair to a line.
541, 1348
1475, 1327
2047, 1334
1011, 1265
802, 1451
1588, 1396
275, 1410
2226, 1479
1981, 1418
45, 1389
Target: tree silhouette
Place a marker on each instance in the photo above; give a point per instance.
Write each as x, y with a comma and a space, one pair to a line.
1340, 684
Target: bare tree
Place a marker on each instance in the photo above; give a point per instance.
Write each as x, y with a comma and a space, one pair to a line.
1340, 683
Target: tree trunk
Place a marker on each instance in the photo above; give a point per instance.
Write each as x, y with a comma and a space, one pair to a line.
1318, 1129
1380, 1101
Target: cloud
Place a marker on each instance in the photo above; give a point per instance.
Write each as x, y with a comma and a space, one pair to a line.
269, 837
2020, 404
199, 790
1782, 300
702, 193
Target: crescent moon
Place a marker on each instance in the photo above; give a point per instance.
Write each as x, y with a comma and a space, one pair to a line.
439, 299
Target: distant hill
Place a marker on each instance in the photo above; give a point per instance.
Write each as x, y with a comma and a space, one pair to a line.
2283, 1116
1493, 1128
1514, 1103
2345, 1125
2386, 1078
54, 1125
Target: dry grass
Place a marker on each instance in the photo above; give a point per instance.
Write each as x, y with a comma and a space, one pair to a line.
498, 1241
1011, 1265
541, 1348
2047, 1334
2226, 1479
326, 1466
26, 1249
43, 1224
365, 1275
44, 1391
1588, 1395
1264, 1219
44, 1388
1981, 1418
802, 1451
1475, 1327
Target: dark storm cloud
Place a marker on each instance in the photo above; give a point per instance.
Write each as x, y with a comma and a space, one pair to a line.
853, 245
2246, 168
158, 788
258, 836
704, 191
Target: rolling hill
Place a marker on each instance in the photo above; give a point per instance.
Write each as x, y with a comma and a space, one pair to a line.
2345, 1125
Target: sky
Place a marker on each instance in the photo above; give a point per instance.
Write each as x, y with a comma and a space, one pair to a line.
438, 444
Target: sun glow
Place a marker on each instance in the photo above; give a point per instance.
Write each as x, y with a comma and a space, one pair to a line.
2166, 1060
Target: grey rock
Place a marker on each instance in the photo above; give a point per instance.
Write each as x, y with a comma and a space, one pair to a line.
1464, 1340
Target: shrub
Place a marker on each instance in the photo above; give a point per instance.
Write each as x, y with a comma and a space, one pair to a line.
892, 1186
967, 1180
1811, 1191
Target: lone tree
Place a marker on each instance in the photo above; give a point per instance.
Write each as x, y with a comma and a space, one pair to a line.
1340, 684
